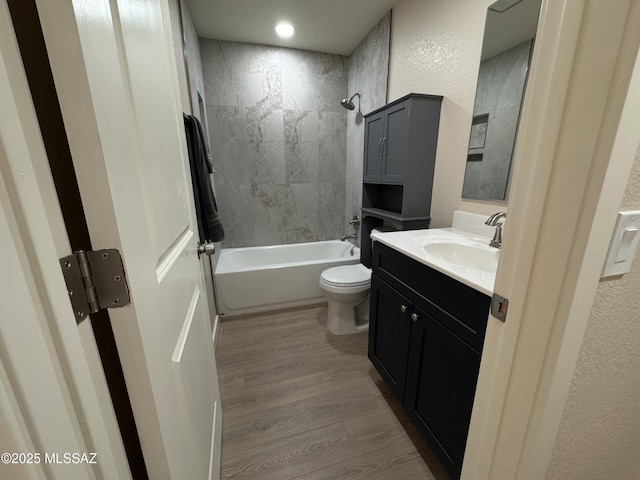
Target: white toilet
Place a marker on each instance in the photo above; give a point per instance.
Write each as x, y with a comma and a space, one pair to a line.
347, 290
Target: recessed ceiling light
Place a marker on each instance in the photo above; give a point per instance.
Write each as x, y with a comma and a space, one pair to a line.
285, 30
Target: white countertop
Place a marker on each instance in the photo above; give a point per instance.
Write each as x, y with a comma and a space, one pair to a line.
409, 242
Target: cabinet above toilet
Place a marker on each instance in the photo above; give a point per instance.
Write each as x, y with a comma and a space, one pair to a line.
399, 160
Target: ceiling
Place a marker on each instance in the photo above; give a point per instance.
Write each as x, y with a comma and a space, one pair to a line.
331, 26
517, 23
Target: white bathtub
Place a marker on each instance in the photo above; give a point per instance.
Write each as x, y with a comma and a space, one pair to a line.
259, 279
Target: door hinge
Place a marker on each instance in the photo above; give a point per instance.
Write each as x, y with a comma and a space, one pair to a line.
95, 281
499, 307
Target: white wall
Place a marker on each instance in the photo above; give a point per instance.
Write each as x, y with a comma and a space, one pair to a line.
599, 433
435, 49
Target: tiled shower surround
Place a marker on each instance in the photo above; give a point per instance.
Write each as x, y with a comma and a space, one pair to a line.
279, 141
368, 73
278, 138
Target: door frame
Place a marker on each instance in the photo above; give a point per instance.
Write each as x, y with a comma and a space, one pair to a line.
576, 144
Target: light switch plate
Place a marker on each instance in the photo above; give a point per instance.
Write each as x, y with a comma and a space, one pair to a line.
624, 243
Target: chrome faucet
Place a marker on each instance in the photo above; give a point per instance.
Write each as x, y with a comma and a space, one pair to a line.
493, 221
355, 221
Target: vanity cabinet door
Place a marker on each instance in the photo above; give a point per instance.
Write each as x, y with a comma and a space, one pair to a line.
374, 136
389, 333
441, 382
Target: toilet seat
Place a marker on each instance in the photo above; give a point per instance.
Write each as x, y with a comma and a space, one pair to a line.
347, 276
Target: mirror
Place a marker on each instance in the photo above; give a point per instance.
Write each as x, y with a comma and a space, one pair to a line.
509, 34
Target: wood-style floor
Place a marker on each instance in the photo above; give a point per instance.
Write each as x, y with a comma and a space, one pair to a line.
301, 404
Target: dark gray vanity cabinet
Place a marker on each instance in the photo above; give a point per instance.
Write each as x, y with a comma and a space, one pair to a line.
442, 373
399, 159
426, 333
389, 334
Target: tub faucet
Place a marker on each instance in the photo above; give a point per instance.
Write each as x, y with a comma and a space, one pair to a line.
493, 221
344, 237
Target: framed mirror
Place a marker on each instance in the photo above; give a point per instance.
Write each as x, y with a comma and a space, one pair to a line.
507, 46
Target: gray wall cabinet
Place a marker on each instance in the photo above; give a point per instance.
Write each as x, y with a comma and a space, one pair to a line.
399, 159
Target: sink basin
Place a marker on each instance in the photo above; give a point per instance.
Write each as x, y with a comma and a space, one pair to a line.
458, 252
478, 257
462, 255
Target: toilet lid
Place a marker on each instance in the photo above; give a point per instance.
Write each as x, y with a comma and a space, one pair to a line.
352, 275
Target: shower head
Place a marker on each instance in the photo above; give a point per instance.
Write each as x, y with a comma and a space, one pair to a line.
348, 103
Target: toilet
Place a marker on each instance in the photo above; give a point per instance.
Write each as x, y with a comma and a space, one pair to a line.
347, 290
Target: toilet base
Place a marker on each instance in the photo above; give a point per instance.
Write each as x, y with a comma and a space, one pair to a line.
342, 317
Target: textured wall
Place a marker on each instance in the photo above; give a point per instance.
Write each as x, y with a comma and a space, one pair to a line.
499, 94
278, 137
599, 435
368, 73
435, 49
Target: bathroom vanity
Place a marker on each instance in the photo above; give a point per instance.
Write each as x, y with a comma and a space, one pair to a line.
427, 329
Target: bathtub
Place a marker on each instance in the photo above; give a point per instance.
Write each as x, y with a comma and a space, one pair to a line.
259, 279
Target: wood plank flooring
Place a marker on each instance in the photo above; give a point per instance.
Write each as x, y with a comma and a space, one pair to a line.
299, 403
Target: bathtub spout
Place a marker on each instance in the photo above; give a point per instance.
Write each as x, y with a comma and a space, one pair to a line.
344, 237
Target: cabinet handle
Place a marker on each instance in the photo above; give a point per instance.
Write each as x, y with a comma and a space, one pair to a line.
384, 145
414, 317
403, 308
380, 146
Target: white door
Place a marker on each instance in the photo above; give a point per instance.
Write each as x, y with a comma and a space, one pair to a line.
117, 84
53, 396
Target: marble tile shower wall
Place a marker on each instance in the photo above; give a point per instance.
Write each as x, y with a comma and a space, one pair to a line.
368, 73
278, 138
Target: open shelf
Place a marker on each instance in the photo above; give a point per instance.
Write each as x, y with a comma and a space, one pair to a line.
392, 217
383, 197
